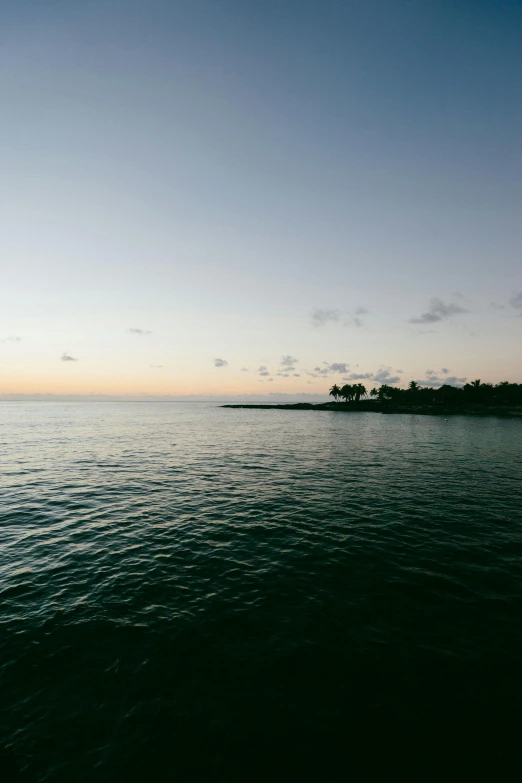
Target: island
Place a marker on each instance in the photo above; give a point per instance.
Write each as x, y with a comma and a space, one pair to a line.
475, 398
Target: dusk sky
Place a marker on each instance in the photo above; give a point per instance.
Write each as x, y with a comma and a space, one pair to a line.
227, 197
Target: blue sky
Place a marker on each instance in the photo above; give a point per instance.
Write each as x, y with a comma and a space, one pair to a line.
338, 182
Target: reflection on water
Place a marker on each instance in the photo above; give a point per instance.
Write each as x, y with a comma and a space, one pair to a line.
194, 593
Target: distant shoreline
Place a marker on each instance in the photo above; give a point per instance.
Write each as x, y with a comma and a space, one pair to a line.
370, 406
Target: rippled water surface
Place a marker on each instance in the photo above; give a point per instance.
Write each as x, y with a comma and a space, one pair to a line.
193, 593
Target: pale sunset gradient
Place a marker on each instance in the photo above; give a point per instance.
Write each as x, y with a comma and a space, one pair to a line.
337, 183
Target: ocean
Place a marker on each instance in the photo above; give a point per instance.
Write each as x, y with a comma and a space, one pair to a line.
194, 593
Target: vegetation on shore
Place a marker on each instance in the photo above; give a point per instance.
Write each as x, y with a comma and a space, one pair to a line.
474, 393
476, 398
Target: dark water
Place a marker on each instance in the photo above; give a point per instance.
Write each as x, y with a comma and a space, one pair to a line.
197, 594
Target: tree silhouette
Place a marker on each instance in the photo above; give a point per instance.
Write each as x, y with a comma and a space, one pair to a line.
472, 394
335, 392
347, 392
359, 391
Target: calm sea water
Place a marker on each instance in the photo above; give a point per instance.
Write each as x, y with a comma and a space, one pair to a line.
192, 593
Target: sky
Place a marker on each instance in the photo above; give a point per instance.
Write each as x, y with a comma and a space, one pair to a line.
258, 197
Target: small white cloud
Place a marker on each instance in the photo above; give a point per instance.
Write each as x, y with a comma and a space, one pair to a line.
220, 363
516, 302
288, 363
142, 332
322, 317
438, 311
68, 358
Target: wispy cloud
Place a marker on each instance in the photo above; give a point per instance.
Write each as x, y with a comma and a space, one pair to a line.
516, 302
157, 366
67, 358
263, 371
220, 363
11, 338
141, 332
354, 319
497, 306
438, 311
244, 369
322, 317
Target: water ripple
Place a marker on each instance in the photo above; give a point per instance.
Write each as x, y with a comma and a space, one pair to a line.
192, 578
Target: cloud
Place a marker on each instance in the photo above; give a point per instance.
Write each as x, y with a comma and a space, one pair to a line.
338, 367
440, 377
220, 363
263, 370
454, 381
296, 375
244, 369
155, 365
142, 332
435, 380
288, 363
384, 376
497, 306
11, 338
438, 311
67, 358
322, 317
516, 301
354, 320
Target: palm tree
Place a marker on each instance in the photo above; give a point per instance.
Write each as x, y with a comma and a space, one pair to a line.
359, 391
385, 392
413, 386
347, 392
475, 384
335, 392
374, 393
